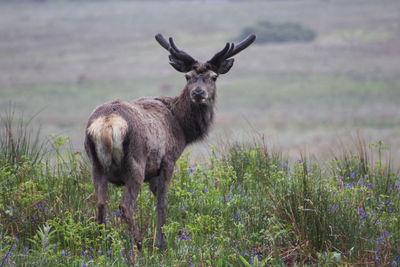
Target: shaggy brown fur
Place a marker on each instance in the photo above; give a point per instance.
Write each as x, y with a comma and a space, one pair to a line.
130, 143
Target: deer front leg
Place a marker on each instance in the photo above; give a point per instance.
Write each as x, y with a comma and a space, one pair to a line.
162, 186
100, 186
132, 189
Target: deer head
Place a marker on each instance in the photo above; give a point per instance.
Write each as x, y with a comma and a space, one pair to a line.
201, 77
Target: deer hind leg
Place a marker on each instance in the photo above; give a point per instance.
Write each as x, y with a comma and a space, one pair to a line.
100, 186
133, 185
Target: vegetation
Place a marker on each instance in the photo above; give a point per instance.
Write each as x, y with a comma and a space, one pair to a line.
249, 207
268, 32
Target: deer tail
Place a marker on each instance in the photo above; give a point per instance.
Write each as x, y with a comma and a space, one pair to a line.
107, 134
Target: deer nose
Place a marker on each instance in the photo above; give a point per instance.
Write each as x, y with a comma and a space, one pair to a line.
198, 92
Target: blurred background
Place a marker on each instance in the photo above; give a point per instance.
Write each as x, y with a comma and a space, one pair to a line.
321, 72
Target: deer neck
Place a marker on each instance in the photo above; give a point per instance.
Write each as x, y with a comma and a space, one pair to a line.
195, 120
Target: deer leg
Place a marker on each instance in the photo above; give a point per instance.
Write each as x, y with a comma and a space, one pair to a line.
132, 189
100, 186
161, 188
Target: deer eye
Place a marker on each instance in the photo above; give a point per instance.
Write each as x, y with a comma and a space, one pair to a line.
214, 77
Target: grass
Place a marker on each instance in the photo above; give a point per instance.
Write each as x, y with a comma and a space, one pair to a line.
249, 206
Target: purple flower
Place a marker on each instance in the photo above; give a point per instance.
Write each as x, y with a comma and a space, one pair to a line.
25, 251
389, 209
369, 185
206, 190
309, 170
109, 252
236, 215
351, 175
239, 187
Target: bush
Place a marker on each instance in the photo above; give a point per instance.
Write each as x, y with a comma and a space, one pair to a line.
268, 32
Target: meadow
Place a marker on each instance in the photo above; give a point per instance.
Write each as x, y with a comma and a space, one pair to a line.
301, 168
249, 206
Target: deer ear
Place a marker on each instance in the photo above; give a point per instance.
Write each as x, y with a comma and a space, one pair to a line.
226, 65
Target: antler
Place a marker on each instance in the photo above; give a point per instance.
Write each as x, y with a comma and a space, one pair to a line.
179, 59
221, 63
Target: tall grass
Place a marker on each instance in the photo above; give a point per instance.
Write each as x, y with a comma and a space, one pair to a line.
18, 141
248, 207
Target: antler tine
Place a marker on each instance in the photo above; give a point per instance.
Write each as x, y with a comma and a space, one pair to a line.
180, 54
220, 55
242, 45
161, 40
179, 59
229, 51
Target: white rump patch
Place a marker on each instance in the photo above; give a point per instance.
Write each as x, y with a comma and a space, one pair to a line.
108, 134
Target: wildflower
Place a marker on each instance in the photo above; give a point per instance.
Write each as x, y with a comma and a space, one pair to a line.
39, 206
46, 210
369, 185
191, 264
63, 254
236, 215
389, 209
351, 175
394, 263
309, 170
244, 254
109, 252
25, 251
386, 202
206, 190
239, 187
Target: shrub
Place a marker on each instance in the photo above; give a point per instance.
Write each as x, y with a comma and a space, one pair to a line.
268, 32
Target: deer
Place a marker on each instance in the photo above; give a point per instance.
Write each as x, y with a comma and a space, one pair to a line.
132, 142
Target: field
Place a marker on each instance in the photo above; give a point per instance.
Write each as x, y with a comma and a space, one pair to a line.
62, 59
301, 167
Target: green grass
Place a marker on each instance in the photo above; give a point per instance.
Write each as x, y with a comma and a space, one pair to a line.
249, 206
